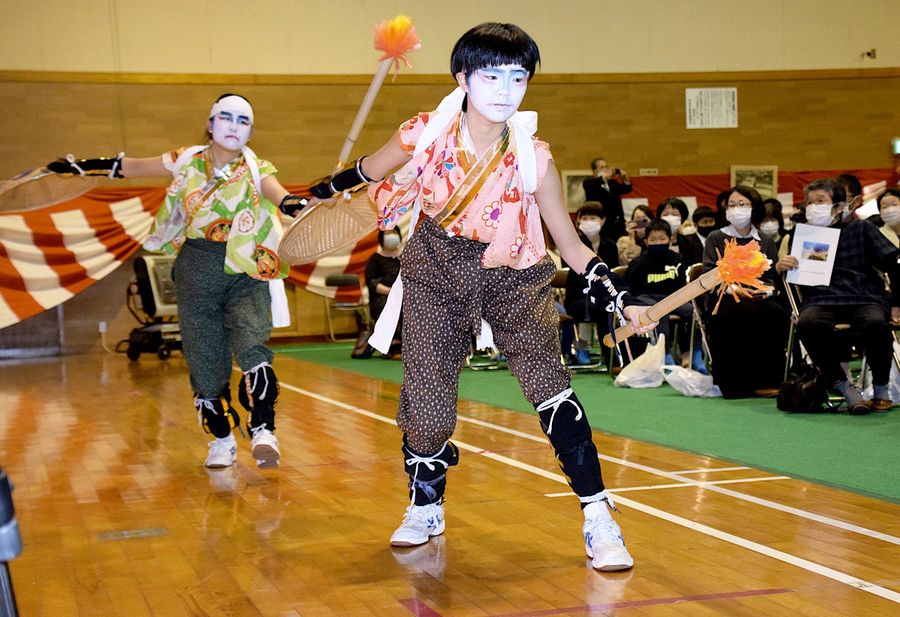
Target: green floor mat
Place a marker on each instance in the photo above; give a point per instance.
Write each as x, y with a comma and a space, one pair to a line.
858, 453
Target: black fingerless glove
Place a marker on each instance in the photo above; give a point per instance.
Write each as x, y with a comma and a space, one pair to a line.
605, 289
109, 167
292, 204
346, 180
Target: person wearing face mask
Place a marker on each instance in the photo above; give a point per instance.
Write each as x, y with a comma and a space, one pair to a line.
889, 210
655, 274
704, 219
220, 218
855, 295
772, 226
382, 271
748, 334
631, 244
684, 237
589, 219
853, 190
478, 182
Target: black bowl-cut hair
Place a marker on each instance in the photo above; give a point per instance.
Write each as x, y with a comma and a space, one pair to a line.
494, 44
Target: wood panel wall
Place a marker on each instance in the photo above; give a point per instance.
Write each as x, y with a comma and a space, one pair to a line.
796, 120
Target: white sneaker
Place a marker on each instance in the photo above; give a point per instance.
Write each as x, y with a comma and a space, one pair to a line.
603, 539
222, 452
264, 447
419, 524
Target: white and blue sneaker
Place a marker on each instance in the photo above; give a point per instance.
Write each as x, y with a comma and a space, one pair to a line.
419, 524
603, 539
222, 452
264, 447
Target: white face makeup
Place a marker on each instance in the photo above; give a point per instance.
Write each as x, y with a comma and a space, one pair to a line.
231, 129
496, 92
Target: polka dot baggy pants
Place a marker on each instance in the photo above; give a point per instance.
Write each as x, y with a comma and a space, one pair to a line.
446, 293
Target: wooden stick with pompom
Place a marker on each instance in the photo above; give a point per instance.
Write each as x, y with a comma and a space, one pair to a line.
740, 267
396, 38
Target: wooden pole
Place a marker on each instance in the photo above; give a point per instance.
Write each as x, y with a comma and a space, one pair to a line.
706, 282
362, 113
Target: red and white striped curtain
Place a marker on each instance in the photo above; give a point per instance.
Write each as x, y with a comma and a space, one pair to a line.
49, 255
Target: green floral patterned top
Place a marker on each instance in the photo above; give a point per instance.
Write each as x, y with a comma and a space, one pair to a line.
225, 207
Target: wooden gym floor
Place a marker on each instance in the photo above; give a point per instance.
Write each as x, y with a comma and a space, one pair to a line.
119, 517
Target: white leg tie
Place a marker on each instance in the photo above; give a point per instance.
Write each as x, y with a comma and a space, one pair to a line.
554, 403
201, 404
253, 375
601, 496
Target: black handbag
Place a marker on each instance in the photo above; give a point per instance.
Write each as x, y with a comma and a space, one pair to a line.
803, 391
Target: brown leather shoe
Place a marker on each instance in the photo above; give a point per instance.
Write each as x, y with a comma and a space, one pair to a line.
859, 409
881, 404
766, 392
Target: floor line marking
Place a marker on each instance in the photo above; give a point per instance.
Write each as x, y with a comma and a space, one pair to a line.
652, 487
799, 562
418, 608
711, 470
591, 608
674, 475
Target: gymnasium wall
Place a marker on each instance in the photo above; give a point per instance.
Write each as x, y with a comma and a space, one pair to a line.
129, 76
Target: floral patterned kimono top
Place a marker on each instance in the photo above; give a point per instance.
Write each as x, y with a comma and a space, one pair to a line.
228, 207
480, 199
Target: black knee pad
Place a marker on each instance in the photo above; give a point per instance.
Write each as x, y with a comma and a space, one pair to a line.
258, 393
428, 474
564, 422
216, 415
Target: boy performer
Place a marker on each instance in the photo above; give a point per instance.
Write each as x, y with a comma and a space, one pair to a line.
478, 182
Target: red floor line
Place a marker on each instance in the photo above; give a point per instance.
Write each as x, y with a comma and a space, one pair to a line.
419, 608
648, 602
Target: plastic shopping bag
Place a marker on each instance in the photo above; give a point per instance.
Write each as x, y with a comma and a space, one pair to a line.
645, 370
690, 382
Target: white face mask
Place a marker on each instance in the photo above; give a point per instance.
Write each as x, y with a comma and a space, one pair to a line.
891, 215
673, 220
231, 129
590, 228
496, 92
769, 228
739, 217
391, 242
820, 214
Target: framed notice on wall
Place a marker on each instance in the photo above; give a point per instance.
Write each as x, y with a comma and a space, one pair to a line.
573, 192
711, 108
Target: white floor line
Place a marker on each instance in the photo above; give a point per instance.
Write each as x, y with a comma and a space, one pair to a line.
711, 470
653, 487
799, 562
678, 477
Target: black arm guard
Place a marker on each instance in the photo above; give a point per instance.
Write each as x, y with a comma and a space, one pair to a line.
605, 288
347, 180
109, 167
292, 204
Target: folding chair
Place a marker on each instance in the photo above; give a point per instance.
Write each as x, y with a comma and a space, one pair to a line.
697, 323
360, 307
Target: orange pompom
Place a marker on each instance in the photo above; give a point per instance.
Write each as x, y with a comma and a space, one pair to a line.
740, 266
743, 264
396, 38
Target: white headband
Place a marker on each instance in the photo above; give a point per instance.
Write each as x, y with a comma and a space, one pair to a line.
232, 103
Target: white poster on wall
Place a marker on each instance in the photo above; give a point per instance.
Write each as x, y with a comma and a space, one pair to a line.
711, 108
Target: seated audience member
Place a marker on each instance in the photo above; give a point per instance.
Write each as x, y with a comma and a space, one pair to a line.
381, 274
704, 219
772, 225
721, 206
653, 275
747, 338
856, 295
684, 237
566, 323
853, 191
632, 243
889, 210
589, 220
